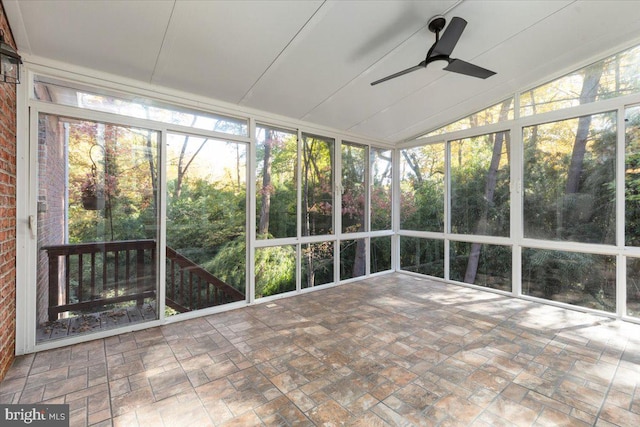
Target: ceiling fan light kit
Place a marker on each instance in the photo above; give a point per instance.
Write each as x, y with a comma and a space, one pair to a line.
441, 51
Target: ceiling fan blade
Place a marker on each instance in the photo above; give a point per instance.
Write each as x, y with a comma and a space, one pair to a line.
450, 38
400, 73
463, 67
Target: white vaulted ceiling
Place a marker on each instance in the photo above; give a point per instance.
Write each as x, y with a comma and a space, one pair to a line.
314, 60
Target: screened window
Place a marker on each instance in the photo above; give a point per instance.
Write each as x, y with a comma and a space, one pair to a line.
60, 92
480, 264
586, 280
275, 270
317, 264
354, 173
569, 180
317, 185
480, 185
632, 177
422, 184
381, 188
425, 256
615, 76
97, 226
380, 254
633, 287
205, 225
494, 114
276, 183
352, 258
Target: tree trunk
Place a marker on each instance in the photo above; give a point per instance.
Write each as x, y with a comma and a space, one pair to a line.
588, 94
305, 189
489, 193
359, 263
238, 174
265, 207
152, 174
413, 164
178, 188
182, 170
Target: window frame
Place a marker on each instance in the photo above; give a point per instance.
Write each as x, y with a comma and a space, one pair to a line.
28, 107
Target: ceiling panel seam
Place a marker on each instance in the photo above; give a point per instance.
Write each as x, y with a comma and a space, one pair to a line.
164, 37
244, 97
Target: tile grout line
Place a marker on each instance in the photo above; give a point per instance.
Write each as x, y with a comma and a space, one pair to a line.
610, 384
106, 368
253, 315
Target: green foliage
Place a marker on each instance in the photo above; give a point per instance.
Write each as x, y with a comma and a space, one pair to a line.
352, 254
424, 256
469, 205
422, 188
317, 185
275, 270
282, 220
229, 264
480, 185
632, 178
380, 254
381, 188
317, 264
494, 265
281, 188
117, 161
573, 277
204, 218
428, 207
354, 164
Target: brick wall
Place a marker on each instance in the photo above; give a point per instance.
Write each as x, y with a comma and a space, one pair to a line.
7, 214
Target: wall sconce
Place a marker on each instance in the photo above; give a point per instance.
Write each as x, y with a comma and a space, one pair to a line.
9, 62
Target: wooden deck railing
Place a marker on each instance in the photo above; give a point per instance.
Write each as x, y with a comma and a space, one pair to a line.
90, 275
127, 273
190, 287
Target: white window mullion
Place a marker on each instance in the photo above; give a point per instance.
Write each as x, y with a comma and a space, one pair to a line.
162, 232
447, 207
395, 210
299, 214
516, 218
621, 260
368, 182
251, 218
337, 203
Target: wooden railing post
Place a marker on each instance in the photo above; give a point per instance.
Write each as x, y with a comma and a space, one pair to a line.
140, 279
53, 287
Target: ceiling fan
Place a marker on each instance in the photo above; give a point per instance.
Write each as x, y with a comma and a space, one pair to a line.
441, 50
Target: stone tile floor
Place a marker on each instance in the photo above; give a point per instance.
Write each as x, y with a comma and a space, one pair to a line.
393, 350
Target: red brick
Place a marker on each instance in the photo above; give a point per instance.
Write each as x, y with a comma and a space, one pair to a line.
7, 214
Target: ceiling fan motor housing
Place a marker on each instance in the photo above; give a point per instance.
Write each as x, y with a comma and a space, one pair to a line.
437, 23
